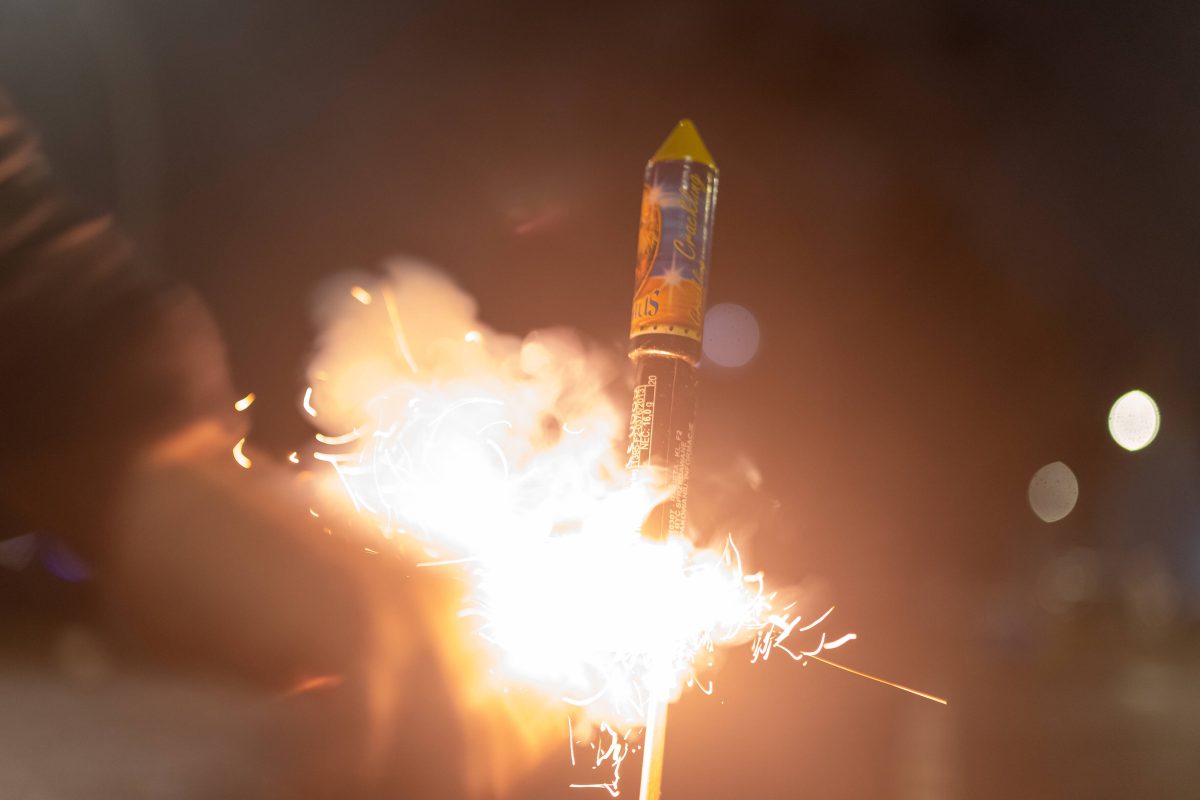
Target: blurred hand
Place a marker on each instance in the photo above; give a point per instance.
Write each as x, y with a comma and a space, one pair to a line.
219, 566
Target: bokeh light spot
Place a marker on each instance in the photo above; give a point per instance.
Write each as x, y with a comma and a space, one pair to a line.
1053, 492
17, 552
730, 335
62, 562
1069, 579
1134, 420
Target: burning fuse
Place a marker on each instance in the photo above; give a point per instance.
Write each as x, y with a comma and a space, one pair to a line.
674, 247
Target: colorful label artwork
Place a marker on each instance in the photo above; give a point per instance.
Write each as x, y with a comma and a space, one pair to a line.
674, 247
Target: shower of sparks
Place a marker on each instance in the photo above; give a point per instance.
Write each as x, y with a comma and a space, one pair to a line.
245, 402
294, 457
609, 756
541, 543
499, 463
361, 295
241, 458
307, 402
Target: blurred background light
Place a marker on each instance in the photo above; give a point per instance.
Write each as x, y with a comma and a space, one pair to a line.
1134, 420
1152, 596
62, 562
730, 335
1053, 492
82, 656
1069, 579
17, 552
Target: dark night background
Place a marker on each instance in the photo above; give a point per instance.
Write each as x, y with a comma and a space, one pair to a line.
964, 228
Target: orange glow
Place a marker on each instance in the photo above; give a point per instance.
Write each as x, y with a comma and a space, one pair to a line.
245, 402
446, 447
314, 684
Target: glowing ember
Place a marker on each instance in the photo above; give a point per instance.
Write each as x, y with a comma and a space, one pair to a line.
240, 457
245, 402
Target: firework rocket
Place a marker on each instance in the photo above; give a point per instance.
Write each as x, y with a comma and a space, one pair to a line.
674, 246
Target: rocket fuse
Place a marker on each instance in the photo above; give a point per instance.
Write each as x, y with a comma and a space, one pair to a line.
674, 246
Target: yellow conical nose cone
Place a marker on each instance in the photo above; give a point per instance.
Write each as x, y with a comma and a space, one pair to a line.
684, 144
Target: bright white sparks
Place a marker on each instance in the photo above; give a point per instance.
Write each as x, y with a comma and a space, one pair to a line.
459, 456
611, 750
501, 463
565, 587
343, 439
1134, 420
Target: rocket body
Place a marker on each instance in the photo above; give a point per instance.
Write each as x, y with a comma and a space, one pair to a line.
661, 435
667, 322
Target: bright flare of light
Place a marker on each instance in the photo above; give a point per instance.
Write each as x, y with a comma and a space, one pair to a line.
361, 295
1134, 420
245, 402
1053, 492
566, 589
504, 464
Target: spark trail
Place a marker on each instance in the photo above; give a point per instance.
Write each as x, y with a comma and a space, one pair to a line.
497, 458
